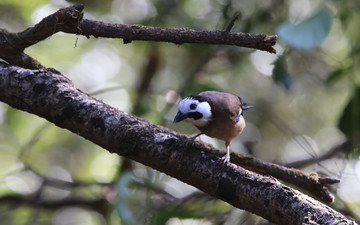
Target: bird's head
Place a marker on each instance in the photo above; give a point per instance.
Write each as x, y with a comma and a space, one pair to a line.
193, 110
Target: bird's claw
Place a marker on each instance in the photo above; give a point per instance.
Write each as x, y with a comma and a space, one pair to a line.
190, 142
226, 158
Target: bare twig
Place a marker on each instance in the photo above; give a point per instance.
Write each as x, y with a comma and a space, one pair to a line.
343, 148
232, 22
175, 35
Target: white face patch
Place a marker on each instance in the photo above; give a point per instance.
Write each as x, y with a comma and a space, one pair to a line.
189, 105
205, 109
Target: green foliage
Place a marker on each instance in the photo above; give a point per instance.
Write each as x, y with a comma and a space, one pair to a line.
339, 72
24, 7
309, 33
164, 214
280, 73
349, 122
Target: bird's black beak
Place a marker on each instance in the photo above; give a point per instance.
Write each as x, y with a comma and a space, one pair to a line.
179, 116
245, 107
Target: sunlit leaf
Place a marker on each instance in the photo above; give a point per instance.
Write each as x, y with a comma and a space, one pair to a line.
309, 33
163, 215
339, 72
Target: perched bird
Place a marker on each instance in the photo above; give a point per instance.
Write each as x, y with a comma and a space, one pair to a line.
215, 114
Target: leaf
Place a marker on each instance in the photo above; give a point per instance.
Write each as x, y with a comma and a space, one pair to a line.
350, 118
339, 72
122, 204
309, 33
280, 73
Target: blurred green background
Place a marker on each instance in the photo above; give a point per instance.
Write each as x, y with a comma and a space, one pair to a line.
306, 98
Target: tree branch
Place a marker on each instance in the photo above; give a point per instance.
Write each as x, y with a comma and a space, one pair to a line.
311, 182
18, 200
69, 20
50, 95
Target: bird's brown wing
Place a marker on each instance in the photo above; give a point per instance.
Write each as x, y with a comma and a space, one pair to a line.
225, 105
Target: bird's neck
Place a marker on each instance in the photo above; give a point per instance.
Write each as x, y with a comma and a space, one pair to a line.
199, 123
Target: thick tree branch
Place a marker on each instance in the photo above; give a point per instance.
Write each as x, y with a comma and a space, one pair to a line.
69, 20
51, 95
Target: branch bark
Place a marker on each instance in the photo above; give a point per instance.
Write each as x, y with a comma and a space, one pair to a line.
70, 20
49, 94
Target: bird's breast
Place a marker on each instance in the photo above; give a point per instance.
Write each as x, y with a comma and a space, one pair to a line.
199, 123
222, 129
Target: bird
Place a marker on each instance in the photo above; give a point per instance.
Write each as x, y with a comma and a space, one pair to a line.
216, 114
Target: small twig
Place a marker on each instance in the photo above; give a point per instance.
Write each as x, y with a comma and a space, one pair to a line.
231, 23
175, 35
328, 180
342, 148
310, 182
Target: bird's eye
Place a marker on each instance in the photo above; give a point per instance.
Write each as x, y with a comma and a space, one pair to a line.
193, 106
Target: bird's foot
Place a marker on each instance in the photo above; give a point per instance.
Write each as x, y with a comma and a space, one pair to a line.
190, 142
226, 158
